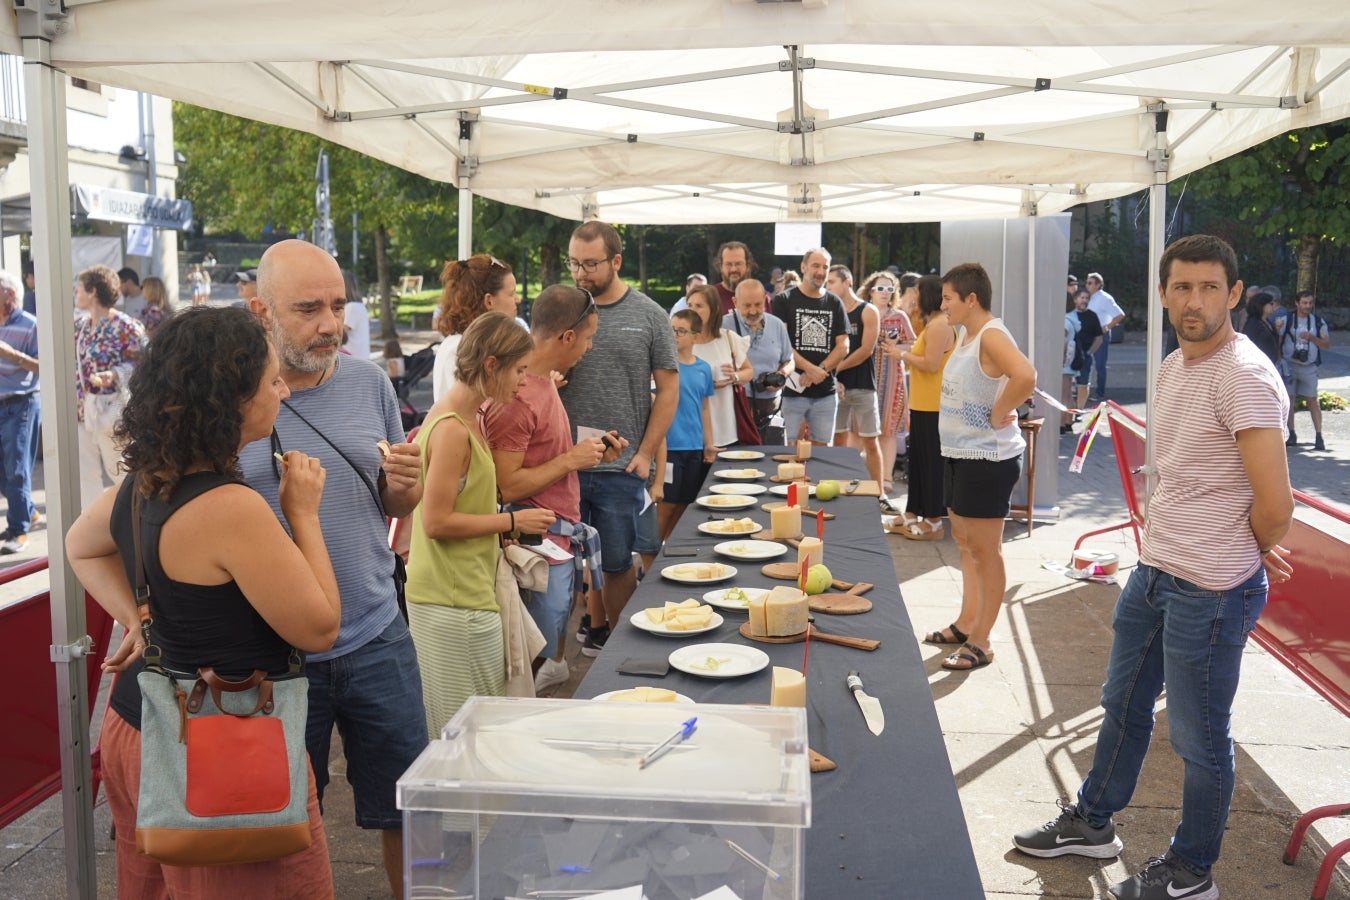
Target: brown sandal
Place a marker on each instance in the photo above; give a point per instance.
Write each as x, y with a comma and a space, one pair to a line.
967, 657
937, 637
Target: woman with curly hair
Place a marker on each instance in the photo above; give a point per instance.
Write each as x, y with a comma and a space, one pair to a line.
469, 288
107, 344
229, 588
883, 290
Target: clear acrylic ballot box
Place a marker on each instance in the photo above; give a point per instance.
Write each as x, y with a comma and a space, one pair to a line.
538, 799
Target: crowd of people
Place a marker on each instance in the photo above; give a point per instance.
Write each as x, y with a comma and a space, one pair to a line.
264, 465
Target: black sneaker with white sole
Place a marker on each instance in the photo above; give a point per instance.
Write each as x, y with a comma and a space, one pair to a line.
1069, 833
595, 641
584, 628
1165, 878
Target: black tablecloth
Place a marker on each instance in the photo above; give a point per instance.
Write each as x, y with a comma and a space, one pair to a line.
887, 823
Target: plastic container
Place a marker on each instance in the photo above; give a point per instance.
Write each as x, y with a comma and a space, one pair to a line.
523, 797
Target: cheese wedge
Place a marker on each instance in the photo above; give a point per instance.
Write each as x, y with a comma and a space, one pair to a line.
655, 616
789, 688
785, 612
643, 695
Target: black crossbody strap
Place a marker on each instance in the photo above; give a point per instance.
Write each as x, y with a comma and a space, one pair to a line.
374, 492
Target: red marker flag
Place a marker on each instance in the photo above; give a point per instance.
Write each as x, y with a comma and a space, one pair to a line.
820, 524
792, 494
801, 584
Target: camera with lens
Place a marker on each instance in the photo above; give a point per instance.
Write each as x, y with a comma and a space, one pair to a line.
1301, 353
769, 381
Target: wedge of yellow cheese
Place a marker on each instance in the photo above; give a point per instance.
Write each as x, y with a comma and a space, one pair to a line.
785, 612
644, 695
789, 688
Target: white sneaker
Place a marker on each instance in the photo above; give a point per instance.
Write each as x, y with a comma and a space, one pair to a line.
552, 672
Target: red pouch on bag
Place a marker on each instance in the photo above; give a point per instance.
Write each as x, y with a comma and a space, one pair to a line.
236, 766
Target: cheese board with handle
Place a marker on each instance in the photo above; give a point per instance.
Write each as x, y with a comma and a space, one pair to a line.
856, 643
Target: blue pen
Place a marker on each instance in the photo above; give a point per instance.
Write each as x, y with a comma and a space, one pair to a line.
573, 870
681, 735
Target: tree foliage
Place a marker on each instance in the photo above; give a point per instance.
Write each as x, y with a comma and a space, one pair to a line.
1293, 187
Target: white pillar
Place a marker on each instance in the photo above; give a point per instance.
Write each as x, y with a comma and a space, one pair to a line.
45, 90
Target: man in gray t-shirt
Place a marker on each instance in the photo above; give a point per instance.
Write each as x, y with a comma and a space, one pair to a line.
611, 390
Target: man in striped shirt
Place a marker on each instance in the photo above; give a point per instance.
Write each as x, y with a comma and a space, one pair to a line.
1211, 545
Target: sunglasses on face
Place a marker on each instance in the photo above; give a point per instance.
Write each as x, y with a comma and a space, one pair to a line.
884, 288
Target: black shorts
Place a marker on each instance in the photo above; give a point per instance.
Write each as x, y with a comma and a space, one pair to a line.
687, 471
980, 488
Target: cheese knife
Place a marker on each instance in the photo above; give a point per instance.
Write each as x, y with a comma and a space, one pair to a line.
870, 706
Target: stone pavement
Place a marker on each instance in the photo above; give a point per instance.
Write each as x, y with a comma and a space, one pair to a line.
1020, 732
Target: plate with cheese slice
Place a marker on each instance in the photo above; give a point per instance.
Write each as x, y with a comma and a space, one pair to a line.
644, 694
782, 489
750, 549
677, 619
725, 501
699, 573
739, 474
740, 454
730, 526
741, 489
719, 660
734, 597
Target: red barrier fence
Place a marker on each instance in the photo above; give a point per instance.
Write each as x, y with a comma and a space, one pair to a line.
30, 745
1306, 623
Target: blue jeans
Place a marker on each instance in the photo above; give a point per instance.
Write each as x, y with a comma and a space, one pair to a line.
818, 413
609, 503
374, 695
1171, 632
550, 608
18, 419
1099, 363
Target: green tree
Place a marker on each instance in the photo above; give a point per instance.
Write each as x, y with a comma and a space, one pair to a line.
1293, 187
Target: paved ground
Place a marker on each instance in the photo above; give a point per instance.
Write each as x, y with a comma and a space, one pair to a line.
1020, 732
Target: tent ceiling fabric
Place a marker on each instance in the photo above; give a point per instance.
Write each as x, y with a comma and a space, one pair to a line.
701, 112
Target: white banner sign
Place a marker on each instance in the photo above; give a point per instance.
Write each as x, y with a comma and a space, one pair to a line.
130, 208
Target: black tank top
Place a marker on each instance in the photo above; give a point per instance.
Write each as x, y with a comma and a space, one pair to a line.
195, 625
862, 376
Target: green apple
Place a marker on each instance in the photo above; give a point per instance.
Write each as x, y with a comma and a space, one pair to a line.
818, 579
827, 489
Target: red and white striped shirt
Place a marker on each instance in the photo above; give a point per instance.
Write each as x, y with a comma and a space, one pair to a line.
1198, 525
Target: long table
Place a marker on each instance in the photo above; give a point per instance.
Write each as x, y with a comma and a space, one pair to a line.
887, 823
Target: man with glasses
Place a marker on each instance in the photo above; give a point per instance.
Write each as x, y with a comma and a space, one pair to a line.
339, 410
818, 326
770, 356
1110, 315
610, 390
537, 463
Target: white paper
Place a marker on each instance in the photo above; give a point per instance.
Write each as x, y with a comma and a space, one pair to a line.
585, 433
794, 381
647, 501
549, 550
722, 893
670, 474
628, 893
140, 240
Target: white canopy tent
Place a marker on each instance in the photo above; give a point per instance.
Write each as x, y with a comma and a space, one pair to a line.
694, 111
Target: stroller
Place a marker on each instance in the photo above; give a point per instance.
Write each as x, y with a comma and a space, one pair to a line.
415, 368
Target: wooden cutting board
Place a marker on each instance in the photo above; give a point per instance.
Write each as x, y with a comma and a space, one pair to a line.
864, 489
791, 571
856, 643
806, 510
767, 535
820, 763
851, 603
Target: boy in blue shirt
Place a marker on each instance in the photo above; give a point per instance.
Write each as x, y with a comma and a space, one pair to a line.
689, 446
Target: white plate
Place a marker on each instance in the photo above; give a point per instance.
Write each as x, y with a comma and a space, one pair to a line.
639, 620
706, 528
679, 698
725, 501
670, 572
718, 598
782, 489
735, 660
750, 549
740, 454
742, 490
747, 474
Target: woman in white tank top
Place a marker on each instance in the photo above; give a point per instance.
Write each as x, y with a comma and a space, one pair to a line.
986, 378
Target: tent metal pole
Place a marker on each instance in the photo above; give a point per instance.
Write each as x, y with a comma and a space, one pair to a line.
466, 122
1157, 241
45, 90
